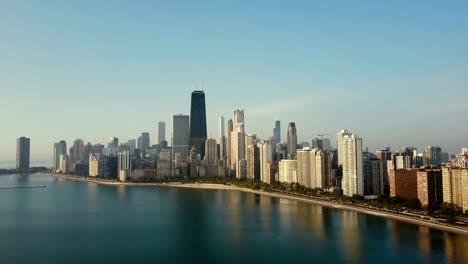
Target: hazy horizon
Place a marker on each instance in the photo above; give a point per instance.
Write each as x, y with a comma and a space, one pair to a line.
394, 73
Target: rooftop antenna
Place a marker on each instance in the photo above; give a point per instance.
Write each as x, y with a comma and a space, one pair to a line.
193, 81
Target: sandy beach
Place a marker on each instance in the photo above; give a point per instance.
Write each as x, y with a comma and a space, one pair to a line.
389, 215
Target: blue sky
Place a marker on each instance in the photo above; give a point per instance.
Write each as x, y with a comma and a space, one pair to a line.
394, 72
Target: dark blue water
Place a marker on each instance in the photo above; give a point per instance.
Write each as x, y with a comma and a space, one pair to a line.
79, 222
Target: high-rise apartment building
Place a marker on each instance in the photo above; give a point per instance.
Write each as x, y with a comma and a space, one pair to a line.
181, 136
23, 145
161, 132
430, 187
339, 142
94, 164
287, 171
60, 148
198, 134
455, 186
253, 162
64, 164
404, 183
211, 152
350, 147
265, 151
422, 183
124, 165
314, 168
292, 140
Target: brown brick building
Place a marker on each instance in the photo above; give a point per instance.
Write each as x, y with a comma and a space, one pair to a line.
404, 183
430, 187
424, 184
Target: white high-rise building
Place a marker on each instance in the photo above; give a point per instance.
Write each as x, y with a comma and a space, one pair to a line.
124, 165
237, 141
238, 148
59, 149
222, 139
287, 170
265, 150
306, 167
64, 163
313, 168
210, 152
339, 142
249, 141
353, 178
181, 136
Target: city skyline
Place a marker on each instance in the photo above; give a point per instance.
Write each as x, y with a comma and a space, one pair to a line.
134, 67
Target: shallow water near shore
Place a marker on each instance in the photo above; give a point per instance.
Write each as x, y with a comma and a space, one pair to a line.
78, 222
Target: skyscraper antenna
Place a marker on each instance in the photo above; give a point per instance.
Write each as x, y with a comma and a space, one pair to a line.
193, 81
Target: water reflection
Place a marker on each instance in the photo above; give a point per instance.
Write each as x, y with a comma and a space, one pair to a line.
122, 193
92, 196
209, 226
424, 241
351, 236
456, 248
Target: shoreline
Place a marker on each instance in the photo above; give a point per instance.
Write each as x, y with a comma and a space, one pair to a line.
213, 186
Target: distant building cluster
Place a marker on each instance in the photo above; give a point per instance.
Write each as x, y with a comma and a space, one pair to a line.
431, 176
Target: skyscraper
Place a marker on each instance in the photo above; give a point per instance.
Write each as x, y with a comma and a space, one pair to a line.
229, 145
113, 142
250, 140
161, 132
265, 152
22, 153
237, 141
124, 165
210, 149
277, 133
433, 155
198, 134
79, 151
88, 149
60, 148
339, 142
112, 146
132, 146
222, 139
353, 178
253, 162
292, 140
238, 149
145, 141
180, 136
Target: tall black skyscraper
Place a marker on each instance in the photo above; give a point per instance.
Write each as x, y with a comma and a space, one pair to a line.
22, 153
198, 122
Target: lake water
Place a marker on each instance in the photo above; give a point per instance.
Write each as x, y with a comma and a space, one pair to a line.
80, 222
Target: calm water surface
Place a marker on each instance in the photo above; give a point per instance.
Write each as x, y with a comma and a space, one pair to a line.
79, 222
